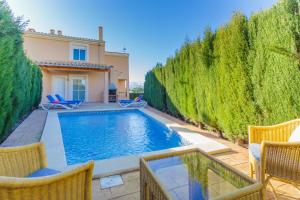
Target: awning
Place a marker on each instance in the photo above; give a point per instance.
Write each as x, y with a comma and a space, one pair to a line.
73, 65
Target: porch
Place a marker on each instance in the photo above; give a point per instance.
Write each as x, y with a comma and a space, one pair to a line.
80, 81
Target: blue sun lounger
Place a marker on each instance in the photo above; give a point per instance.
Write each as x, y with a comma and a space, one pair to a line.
137, 102
73, 102
54, 103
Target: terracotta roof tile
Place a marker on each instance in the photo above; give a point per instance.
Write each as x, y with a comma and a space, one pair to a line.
61, 36
73, 64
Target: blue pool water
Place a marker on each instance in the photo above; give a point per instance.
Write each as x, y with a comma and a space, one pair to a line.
101, 135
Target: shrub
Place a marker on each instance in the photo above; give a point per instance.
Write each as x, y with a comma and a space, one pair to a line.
275, 77
204, 79
234, 99
20, 79
155, 81
247, 72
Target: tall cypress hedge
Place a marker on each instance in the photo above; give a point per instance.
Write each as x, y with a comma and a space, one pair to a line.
275, 76
246, 72
234, 97
20, 79
155, 80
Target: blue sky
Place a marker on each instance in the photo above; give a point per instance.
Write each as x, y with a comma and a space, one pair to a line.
151, 30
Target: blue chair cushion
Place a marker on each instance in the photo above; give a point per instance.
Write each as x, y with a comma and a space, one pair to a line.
125, 101
255, 150
43, 172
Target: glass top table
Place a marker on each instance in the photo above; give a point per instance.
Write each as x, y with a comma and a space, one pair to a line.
191, 175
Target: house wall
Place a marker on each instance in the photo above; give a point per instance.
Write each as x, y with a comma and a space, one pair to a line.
43, 49
120, 71
95, 84
122, 85
47, 47
46, 85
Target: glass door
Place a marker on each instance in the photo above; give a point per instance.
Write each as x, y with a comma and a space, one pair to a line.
79, 88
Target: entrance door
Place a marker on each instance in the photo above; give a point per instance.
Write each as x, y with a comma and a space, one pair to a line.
79, 88
59, 86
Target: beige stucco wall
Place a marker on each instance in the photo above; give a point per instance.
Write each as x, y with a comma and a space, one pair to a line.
46, 85
96, 53
95, 82
40, 49
45, 47
122, 85
96, 86
120, 71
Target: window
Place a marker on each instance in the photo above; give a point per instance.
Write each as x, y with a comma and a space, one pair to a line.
79, 53
79, 89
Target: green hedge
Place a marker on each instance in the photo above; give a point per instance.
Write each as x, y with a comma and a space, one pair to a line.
246, 72
155, 81
20, 79
134, 95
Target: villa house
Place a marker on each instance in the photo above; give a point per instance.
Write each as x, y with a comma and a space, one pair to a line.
77, 68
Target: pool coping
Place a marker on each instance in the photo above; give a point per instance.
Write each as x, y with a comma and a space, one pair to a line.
52, 138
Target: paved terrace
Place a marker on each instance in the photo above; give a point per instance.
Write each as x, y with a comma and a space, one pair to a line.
30, 131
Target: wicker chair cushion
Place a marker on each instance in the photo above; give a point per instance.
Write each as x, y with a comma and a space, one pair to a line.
255, 150
43, 172
295, 136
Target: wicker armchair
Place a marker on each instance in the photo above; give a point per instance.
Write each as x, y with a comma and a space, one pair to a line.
279, 158
18, 162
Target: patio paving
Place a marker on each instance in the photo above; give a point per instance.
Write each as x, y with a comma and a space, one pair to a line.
31, 128
129, 190
238, 158
29, 131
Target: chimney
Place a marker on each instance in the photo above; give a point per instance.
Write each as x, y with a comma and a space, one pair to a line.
100, 29
59, 32
52, 31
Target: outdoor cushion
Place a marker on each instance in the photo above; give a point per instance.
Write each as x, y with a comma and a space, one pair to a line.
43, 172
126, 101
295, 136
51, 99
255, 150
61, 99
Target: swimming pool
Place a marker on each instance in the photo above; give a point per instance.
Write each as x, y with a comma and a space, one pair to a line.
97, 135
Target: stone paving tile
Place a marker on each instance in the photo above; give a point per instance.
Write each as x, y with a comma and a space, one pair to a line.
129, 190
285, 197
131, 186
270, 195
98, 193
131, 176
276, 183
133, 196
29, 131
289, 190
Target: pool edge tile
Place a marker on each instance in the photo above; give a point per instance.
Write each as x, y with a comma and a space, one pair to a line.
52, 138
